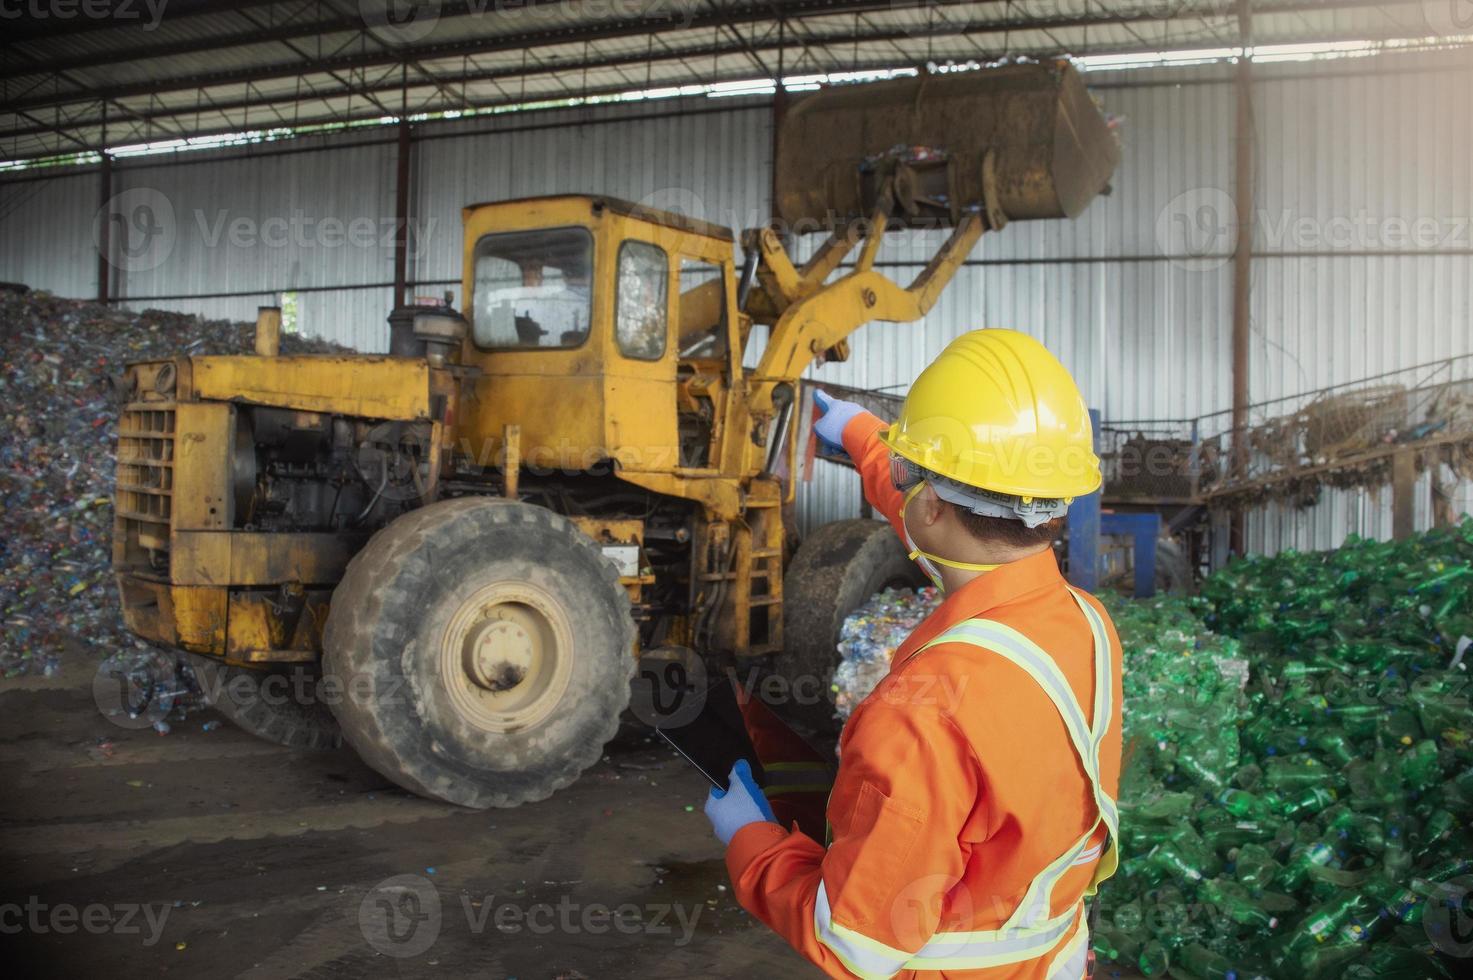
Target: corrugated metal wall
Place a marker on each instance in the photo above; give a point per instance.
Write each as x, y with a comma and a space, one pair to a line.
1364, 261
1135, 296
46, 233
253, 227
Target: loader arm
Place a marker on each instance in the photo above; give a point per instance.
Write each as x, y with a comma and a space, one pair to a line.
811, 318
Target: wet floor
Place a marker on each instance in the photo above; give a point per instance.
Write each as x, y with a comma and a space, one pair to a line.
124, 853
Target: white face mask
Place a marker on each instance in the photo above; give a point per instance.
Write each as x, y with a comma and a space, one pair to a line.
925, 559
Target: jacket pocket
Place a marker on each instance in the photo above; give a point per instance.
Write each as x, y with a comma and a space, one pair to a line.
876, 856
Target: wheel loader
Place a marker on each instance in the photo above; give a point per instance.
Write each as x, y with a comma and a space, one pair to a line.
451, 556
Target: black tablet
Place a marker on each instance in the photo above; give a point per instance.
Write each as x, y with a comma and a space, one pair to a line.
713, 738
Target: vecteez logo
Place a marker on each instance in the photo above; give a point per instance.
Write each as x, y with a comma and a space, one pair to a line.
135, 230
399, 21
1449, 18
401, 916
1198, 229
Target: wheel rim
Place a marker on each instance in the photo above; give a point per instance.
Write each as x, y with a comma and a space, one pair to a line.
506, 657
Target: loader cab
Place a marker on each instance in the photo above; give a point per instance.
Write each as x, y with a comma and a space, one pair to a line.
602, 330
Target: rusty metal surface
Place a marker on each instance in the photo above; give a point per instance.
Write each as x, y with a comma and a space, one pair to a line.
1053, 149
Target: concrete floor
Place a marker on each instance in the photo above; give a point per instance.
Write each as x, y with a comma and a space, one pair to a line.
127, 853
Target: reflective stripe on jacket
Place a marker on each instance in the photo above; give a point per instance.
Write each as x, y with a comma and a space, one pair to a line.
967, 827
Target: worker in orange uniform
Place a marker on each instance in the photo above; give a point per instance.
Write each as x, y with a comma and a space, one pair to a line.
974, 806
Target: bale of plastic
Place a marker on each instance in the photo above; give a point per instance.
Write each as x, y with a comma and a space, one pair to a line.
869, 637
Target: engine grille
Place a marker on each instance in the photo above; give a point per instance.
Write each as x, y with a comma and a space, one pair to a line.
144, 493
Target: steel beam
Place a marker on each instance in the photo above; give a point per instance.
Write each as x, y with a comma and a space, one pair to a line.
401, 215
104, 226
1242, 256
715, 18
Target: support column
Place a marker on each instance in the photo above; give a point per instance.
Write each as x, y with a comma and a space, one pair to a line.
1403, 494
401, 216
104, 225
1083, 521
779, 109
1242, 256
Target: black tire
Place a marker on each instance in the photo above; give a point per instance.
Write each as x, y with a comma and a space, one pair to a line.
279, 704
401, 606
834, 571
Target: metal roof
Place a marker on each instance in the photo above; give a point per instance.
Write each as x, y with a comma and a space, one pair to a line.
72, 81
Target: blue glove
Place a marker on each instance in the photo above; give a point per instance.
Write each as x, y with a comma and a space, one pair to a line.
742, 803
836, 415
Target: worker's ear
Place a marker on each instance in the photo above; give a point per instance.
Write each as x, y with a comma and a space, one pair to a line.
932, 506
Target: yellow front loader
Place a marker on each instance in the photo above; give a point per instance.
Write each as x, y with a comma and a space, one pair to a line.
451, 556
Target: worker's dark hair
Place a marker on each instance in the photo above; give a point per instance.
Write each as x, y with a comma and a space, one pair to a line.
1006, 530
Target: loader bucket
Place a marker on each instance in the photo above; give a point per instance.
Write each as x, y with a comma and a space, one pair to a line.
1051, 148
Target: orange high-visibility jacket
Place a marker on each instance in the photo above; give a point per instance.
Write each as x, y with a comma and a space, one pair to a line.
957, 785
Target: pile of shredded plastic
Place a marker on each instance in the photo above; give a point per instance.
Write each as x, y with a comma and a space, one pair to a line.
59, 361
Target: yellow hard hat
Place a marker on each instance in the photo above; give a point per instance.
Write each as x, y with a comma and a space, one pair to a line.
997, 411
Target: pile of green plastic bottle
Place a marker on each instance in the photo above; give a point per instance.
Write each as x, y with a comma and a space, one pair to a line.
1298, 778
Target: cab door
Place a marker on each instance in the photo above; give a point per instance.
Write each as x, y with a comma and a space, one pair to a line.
640, 371
709, 358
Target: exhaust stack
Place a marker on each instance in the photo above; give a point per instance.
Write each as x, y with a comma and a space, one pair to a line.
268, 330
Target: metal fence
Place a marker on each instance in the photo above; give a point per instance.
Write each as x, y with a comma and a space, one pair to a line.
1342, 436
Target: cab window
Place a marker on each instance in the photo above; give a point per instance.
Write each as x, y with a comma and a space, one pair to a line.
533, 289
641, 318
702, 310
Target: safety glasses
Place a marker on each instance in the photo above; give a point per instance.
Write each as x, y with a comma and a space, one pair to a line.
903, 473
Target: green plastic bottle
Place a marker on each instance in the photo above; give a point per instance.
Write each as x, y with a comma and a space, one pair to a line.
1440, 872
1202, 762
1362, 830
1396, 859
1318, 674
1164, 807
1200, 962
1307, 801
1233, 900
1297, 772
1437, 830
1316, 943
1301, 858
1335, 747
1255, 867
1421, 768
1153, 961
1399, 729
1187, 855
1103, 943
1241, 803
1394, 963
